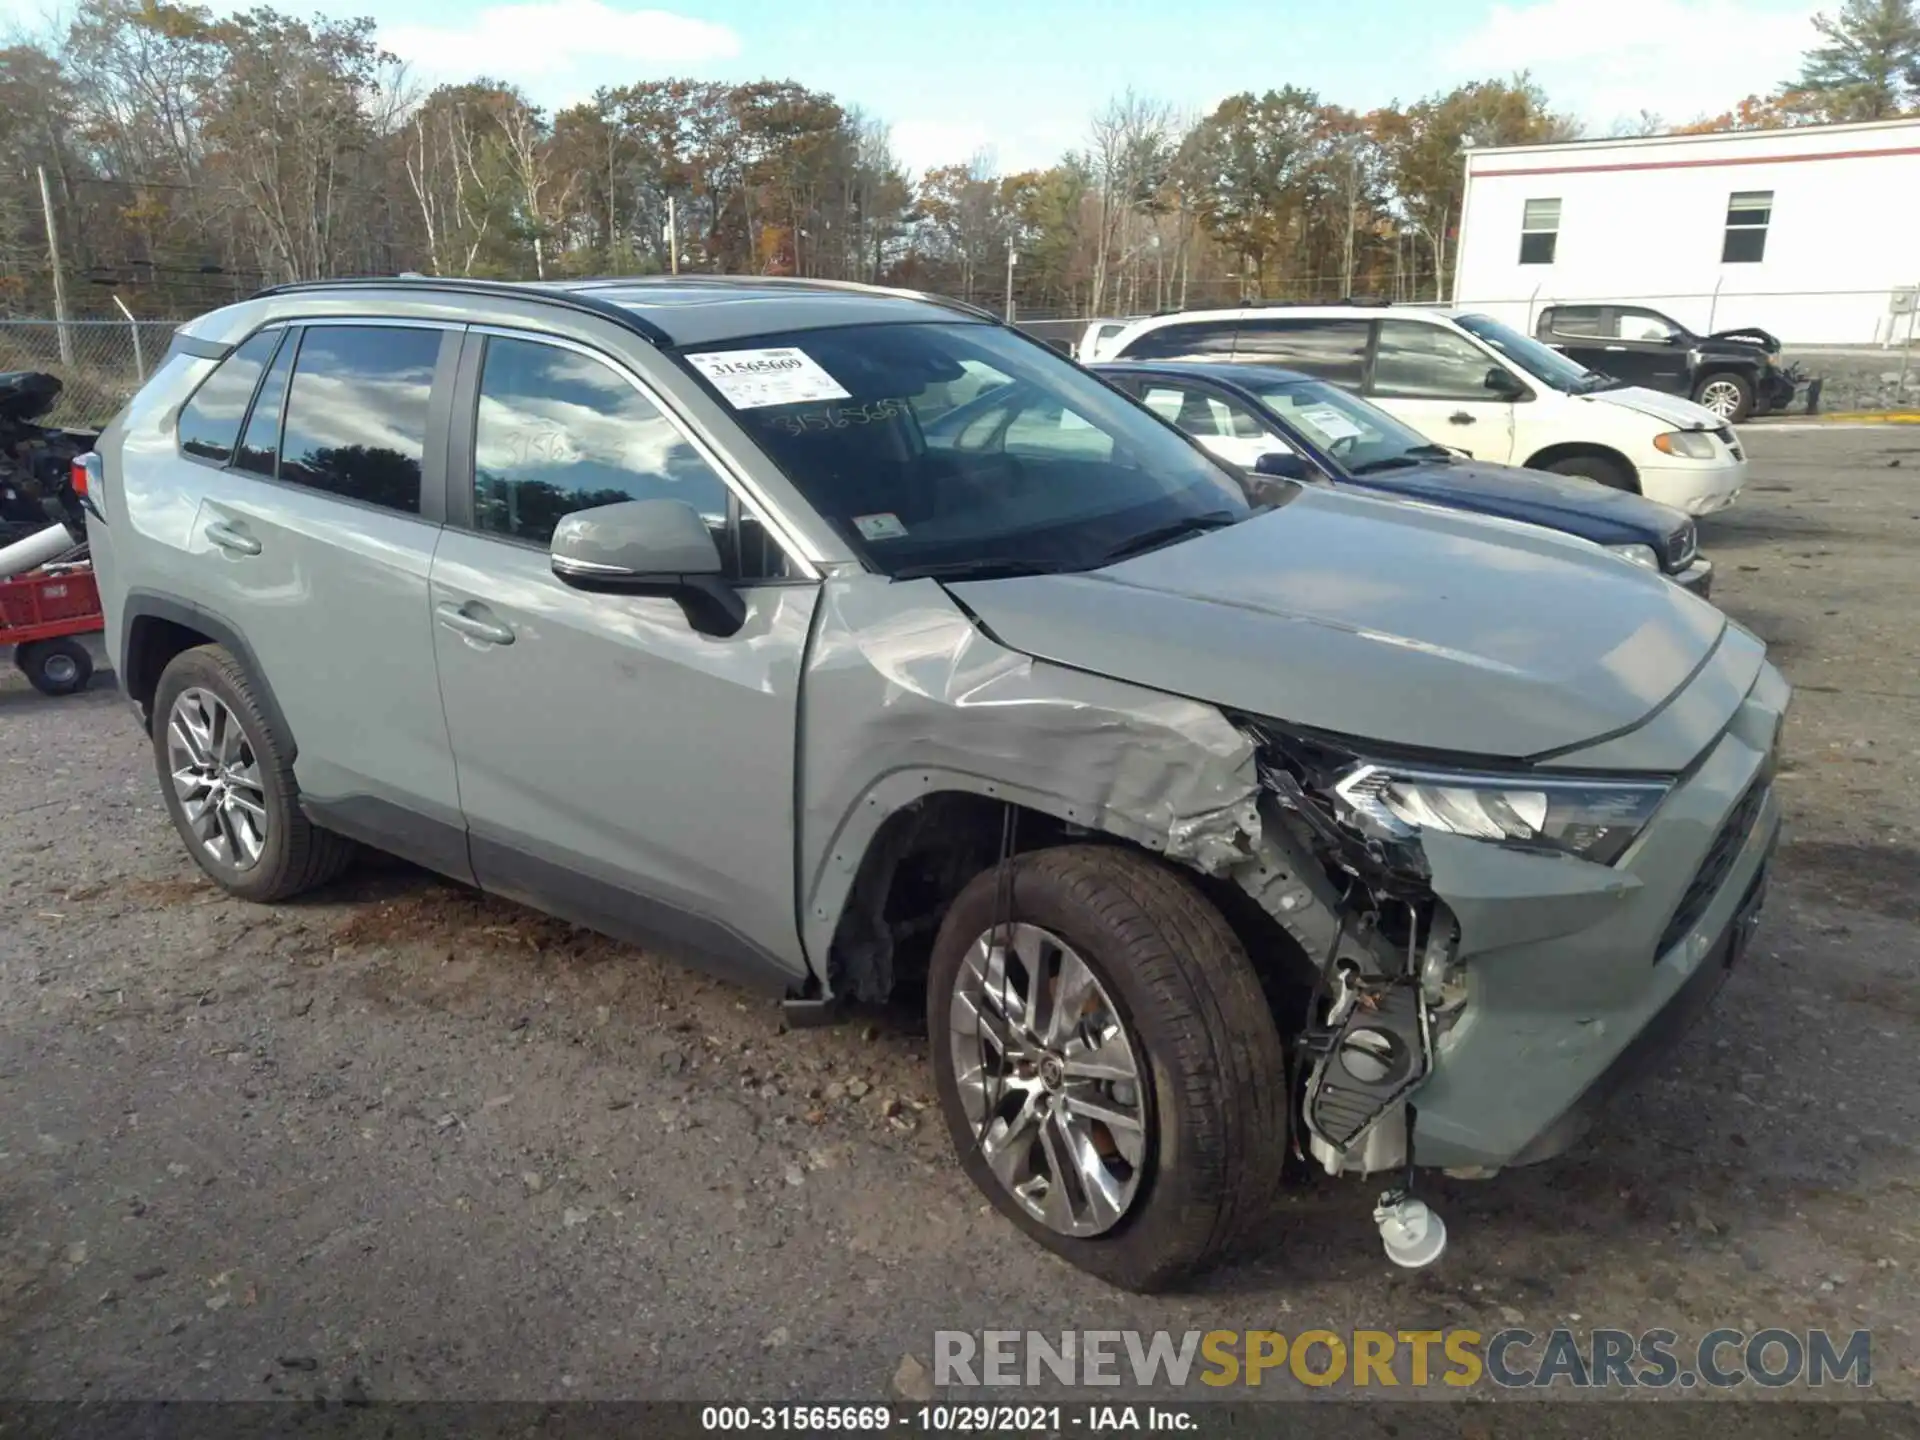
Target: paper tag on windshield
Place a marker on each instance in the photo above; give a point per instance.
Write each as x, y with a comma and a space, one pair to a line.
884, 526
1330, 423
753, 379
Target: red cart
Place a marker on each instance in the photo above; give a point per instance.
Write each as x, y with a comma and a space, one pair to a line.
42, 615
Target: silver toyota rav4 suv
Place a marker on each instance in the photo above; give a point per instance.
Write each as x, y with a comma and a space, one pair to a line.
1221, 820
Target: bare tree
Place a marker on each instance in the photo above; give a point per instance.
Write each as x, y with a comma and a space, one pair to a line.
1130, 145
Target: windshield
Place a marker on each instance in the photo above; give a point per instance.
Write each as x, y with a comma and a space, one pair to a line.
1540, 361
935, 447
1360, 436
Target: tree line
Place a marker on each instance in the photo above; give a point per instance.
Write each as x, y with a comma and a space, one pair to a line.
190, 160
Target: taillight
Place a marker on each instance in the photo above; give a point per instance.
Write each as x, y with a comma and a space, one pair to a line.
80, 476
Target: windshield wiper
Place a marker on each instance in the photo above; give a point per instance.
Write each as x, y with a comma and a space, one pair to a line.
1412, 455
1598, 381
1173, 530
984, 568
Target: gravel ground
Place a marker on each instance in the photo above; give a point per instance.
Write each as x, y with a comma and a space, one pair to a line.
407, 1143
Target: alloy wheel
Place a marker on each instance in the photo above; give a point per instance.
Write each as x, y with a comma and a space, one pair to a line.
61, 669
1722, 397
216, 776
1049, 1080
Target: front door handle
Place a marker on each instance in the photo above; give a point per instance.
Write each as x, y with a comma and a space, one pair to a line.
472, 626
1616, 348
1460, 417
232, 539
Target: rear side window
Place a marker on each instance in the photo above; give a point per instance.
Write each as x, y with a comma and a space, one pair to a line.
1577, 320
356, 421
210, 421
1334, 350
260, 446
1195, 340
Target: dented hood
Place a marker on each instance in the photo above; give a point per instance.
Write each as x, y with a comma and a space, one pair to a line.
1377, 620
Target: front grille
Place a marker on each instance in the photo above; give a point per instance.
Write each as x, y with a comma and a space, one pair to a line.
1726, 437
1682, 546
1712, 874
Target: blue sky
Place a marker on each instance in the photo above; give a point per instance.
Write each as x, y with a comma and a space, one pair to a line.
1021, 77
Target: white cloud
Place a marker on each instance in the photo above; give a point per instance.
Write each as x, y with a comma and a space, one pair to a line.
1605, 61
559, 46
922, 144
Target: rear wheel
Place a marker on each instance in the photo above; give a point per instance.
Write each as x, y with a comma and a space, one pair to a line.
1727, 395
55, 667
1610, 473
229, 785
1106, 1062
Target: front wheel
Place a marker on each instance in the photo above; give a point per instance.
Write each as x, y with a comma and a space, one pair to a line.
1610, 473
1726, 395
1106, 1062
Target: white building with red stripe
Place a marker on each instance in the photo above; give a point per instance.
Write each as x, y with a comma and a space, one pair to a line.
1812, 234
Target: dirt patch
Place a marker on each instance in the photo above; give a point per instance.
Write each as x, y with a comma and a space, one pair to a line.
1883, 878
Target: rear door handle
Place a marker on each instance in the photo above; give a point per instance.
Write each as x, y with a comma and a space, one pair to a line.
1460, 417
472, 626
232, 538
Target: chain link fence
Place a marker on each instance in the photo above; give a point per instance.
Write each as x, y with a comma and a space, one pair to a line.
100, 362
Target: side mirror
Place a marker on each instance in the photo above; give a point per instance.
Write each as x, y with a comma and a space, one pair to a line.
1503, 383
649, 547
1284, 465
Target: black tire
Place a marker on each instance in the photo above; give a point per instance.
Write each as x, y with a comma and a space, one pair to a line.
1611, 473
55, 667
296, 854
1741, 386
1193, 1010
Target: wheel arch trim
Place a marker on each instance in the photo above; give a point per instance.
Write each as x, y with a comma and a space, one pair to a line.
146, 605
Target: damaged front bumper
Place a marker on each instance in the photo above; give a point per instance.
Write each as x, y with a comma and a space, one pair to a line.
1557, 978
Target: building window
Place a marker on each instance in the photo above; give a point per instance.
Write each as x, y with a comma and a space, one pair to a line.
1747, 215
1746, 227
1539, 229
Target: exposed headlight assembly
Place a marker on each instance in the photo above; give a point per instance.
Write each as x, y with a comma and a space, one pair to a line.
1687, 444
1638, 554
1594, 819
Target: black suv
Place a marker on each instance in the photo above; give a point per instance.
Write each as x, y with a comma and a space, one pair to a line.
1734, 373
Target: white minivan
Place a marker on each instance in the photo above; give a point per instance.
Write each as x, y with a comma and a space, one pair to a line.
1473, 385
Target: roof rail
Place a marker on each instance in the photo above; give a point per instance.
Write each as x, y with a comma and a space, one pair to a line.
806, 282
504, 289
1371, 302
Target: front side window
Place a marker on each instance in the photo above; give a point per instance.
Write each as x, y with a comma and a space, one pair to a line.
1044, 468
1644, 325
1539, 232
356, 420
1749, 212
1190, 340
1362, 437
1429, 362
1226, 426
1328, 349
559, 432
210, 421
1542, 362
